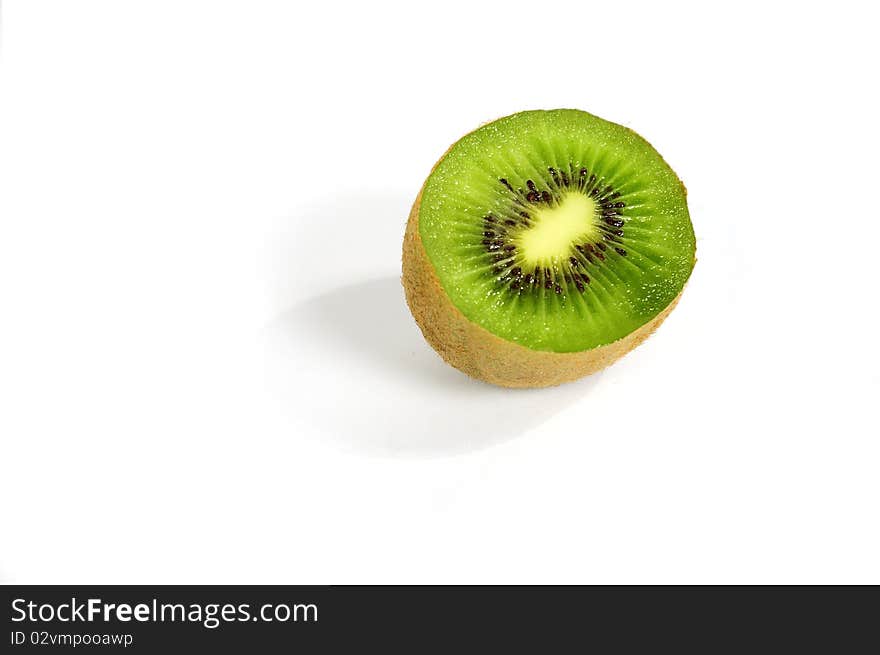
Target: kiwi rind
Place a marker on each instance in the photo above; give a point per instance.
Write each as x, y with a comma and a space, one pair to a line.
483, 355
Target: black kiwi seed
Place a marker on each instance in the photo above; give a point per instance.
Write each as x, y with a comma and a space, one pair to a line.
621, 252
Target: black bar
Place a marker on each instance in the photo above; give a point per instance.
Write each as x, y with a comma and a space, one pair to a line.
286, 619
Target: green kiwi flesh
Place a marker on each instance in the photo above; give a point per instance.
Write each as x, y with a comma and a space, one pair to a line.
557, 230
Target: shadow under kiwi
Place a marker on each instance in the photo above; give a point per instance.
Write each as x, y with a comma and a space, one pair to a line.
351, 366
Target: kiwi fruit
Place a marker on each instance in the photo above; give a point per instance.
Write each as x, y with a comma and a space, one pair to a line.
544, 246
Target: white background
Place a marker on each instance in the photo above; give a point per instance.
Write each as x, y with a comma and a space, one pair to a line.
208, 372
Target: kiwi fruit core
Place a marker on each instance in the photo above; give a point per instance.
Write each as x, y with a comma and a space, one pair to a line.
556, 230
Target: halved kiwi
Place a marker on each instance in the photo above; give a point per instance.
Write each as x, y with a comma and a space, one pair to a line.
544, 246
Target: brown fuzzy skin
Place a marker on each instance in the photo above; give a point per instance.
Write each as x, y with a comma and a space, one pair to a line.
479, 353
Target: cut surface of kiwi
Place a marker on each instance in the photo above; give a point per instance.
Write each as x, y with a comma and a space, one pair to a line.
555, 232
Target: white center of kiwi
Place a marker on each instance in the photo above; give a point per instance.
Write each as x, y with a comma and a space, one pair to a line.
555, 229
